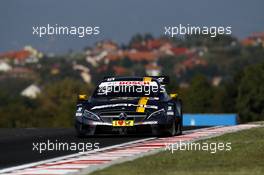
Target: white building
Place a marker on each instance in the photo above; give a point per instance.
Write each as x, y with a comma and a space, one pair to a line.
216, 81
31, 91
4, 67
85, 72
86, 77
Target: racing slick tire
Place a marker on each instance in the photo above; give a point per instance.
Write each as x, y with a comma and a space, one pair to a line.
164, 132
82, 132
172, 130
178, 128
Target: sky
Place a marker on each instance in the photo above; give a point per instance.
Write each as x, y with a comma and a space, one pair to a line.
119, 20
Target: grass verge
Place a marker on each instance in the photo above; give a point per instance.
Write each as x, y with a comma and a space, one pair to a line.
245, 157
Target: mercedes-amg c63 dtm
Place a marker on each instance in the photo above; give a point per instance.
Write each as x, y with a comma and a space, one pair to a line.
124, 105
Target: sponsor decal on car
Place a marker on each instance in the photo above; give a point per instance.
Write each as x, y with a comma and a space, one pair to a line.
125, 105
123, 123
142, 103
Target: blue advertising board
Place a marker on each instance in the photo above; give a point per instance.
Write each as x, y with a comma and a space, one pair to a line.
209, 119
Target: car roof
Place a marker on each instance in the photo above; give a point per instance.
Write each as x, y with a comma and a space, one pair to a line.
132, 78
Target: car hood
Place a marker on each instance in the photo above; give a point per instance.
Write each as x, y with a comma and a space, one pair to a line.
149, 105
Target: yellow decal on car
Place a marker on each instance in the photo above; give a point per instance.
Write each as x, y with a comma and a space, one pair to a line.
147, 79
142, 102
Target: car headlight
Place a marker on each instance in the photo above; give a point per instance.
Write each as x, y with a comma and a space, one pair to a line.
90, 115
156, 113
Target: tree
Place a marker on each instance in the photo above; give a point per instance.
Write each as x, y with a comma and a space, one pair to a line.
138, 38
199, 95
219, 100
57, 103
250, 100
148, 36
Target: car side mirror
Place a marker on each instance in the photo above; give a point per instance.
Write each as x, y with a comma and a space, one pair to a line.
173, 96
82, 97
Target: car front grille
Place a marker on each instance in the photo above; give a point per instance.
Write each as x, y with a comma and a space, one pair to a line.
110, 116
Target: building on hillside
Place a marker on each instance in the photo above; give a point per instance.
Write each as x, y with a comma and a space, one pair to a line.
31, 91
254, 39
216, 80
107, 45
17, 57
178, 51
4, 67
86, 76
153, 69
114, 56
55, 69
27, 55
141, 56
150, 45
21, 72
119, 70
35, 55
156, 43
84, 72
95, 59
166, 49
194, 61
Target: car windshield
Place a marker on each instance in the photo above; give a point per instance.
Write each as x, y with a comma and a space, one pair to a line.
134, 89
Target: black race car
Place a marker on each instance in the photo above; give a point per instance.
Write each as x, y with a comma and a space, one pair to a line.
125, 105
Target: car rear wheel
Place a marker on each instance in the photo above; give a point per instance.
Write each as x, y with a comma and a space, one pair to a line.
180, 119
171, 131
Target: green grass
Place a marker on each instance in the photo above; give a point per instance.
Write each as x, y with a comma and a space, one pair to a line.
246, 157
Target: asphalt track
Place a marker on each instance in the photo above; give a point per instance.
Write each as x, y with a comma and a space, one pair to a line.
16, 145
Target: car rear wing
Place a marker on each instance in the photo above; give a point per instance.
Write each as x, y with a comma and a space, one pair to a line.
164, 80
